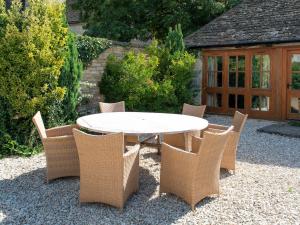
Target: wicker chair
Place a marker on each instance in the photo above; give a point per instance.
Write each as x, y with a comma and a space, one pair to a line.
229, 156
60, 149
107, 175
193, 175
193, 110
118, 107
178, 140
112, 107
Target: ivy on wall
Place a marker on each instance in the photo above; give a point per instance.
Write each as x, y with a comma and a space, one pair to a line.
90, 48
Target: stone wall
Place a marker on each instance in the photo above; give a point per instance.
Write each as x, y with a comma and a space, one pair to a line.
92, 76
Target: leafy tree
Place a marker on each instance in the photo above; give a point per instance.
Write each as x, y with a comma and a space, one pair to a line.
174, 40
127, 19
70, 78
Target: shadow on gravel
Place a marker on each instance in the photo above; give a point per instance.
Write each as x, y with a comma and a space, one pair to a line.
28, 200
225, 173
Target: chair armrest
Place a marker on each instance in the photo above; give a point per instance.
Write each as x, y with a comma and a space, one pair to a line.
175, 160
61, 131
131, 163
196, 143
220, 131
59, 142
213, 130
217, 126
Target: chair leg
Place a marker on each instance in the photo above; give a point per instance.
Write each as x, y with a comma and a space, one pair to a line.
193, 208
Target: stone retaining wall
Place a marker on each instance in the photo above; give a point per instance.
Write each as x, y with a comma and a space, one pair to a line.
92, 76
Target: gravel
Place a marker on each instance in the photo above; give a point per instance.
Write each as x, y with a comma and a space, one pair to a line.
264, 190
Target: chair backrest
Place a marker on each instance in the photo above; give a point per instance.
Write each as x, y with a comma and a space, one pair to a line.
210, 153
39, 124
239, 121
101, 158
193, 110
112, 107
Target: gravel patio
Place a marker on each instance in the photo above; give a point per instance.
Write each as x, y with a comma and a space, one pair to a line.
264, 190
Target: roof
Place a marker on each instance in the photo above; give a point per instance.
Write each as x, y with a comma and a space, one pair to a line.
251, 22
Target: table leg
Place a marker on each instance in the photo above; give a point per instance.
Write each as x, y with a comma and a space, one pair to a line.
158, 145
188, 141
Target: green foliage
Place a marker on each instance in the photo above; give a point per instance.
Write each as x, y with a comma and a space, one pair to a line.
294, 123
155, 80
32, 54
11, 147
70, 78
174, 40
127, 19
90, 48
296, 81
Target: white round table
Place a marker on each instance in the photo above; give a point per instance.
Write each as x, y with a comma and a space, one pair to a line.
137, 123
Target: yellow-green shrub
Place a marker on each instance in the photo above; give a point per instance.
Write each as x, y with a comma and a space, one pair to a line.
32, 52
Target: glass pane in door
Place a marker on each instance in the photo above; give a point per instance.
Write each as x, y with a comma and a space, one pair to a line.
296, 62
295, 105
296, 81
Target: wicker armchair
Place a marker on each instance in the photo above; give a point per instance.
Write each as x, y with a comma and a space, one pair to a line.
179, 140
193, 110
193, 175
229, 155
118, 107
107, 175
60, 149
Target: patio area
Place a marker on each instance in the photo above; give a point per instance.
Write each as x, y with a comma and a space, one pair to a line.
264, 190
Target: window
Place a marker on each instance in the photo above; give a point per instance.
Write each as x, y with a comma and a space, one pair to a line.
215, 74
260, 103
261, 71
236, 74
295, 72
214, 100
236, 101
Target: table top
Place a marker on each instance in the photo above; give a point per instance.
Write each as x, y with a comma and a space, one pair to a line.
141, 123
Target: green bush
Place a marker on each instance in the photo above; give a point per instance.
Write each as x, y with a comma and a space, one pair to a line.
32, 53
157, 80
90, 48
69, 79
174, 40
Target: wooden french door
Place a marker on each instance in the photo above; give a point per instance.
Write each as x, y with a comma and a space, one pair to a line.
293, 85
240, 80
